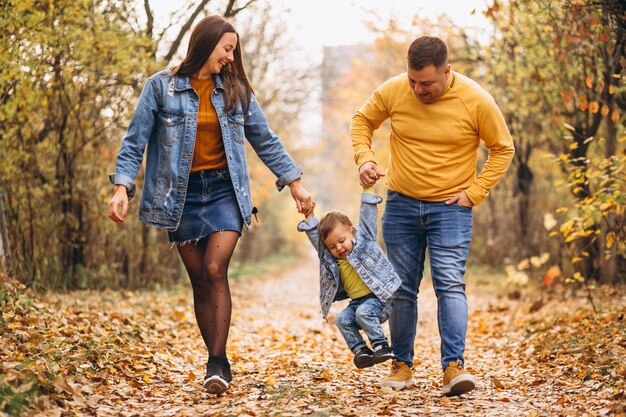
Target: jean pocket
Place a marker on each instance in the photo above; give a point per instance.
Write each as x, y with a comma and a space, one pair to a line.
462, 207
392, 195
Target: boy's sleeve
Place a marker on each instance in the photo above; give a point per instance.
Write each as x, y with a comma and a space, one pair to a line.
309, 226
368, 216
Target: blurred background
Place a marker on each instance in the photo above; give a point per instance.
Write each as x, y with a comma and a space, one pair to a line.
71, 73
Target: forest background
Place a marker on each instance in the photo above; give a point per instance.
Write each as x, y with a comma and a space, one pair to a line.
93, 315
71, 73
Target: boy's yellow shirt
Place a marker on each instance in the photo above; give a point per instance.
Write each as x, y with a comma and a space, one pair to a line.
352, 282
433, 146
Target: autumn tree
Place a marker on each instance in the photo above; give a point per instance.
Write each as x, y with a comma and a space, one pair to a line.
560, 63
69, 77
65, 80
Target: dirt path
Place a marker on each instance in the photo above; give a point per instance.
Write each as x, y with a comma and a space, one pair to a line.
288, 362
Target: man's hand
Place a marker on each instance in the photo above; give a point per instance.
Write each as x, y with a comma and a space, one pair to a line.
461, 199
369, 174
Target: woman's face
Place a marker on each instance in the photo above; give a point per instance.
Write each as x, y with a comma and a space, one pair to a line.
222, 54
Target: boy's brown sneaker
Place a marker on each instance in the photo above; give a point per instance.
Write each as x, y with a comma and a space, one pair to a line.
400, 376
456, 380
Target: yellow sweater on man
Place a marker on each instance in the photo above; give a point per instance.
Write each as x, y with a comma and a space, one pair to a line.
433, 146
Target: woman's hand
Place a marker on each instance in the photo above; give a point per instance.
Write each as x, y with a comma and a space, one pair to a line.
120, 198
304, 202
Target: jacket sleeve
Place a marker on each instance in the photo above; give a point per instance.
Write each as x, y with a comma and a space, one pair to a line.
368, 214
269, 147
309, 226
140, 130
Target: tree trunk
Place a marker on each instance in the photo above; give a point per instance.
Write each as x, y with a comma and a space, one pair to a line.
523, 186
5, 251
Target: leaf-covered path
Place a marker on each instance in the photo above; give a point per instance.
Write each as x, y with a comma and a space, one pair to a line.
140, 354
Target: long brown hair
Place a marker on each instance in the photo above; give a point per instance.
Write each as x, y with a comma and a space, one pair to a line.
204, 37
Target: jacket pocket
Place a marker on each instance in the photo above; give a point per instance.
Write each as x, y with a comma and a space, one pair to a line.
236, 123
370, 256
170, 127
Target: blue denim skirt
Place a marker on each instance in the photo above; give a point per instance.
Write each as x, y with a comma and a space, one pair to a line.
210, 206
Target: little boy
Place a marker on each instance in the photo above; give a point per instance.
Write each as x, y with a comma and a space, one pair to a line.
353, 265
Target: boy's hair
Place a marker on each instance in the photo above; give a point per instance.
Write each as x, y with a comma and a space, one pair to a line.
330, 221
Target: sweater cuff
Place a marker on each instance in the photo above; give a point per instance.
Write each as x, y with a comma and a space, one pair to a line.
476, 194
367, 156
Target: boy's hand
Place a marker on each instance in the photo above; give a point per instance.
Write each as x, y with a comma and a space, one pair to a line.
311, 212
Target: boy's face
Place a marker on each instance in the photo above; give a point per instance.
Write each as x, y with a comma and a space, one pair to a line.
339, 241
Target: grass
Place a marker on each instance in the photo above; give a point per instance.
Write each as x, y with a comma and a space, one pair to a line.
15, 395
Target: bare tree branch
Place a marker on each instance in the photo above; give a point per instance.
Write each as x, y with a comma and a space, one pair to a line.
231, 11
183, 31
150, 16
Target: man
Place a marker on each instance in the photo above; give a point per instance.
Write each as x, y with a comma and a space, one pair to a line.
438, 118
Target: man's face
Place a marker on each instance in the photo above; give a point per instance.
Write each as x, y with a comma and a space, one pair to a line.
429, 83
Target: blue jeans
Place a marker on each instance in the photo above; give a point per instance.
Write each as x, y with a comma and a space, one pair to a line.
364, 313
409, 227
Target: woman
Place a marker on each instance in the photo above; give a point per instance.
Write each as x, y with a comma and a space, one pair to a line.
194, 120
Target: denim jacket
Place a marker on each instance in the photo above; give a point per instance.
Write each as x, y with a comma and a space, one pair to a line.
166, 120
366, 257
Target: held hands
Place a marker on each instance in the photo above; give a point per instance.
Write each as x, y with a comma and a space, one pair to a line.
311, 213
461, 199
304, 202
369, 174
120, 198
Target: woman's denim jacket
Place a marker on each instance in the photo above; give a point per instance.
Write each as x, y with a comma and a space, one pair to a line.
366, 257
166, 120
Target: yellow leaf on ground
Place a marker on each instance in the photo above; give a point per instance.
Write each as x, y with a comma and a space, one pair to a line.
497, 383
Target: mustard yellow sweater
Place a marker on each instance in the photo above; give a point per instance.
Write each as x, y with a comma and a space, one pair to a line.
433, 146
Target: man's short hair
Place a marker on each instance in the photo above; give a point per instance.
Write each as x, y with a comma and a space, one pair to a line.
427, 50
330, 221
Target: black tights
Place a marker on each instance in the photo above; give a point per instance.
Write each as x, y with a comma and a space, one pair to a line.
207, 265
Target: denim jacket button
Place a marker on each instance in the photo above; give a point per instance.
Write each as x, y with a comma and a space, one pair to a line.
169, 120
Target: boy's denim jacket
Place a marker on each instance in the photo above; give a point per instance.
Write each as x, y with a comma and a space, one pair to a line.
166, 120
366, 257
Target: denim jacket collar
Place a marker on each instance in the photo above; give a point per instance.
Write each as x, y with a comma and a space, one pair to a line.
181, 83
